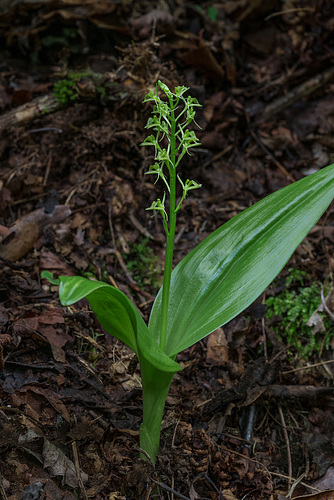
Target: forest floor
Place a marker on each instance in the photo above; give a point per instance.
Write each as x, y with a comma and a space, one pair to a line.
250, 416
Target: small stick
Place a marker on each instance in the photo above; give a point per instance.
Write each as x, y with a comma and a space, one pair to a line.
132, 282
167, 488
144, 452
289, 11
270, 473
203, 474
297, 93
295, 484
29, 111
248, 425
324, 305
308, 366
264, 340
111, 227
48, 168
135, 222
45, 129
287, 443
77, 470
297, 391
174, 435
277, 163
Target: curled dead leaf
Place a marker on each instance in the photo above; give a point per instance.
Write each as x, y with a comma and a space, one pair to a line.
26, 231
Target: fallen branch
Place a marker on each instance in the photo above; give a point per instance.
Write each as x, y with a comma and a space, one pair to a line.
297, 93
29, 111
241, 396
268, 152
298, 391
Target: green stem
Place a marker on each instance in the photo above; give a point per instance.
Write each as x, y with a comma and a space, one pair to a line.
171, 232
155, 384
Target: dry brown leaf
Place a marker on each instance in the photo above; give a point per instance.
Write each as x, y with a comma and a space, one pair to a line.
60, 465
26, 231
217, 348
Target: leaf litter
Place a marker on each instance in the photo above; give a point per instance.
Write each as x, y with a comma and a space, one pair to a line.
262, 72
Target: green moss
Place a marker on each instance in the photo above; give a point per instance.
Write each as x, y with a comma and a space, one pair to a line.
292, 308
66, 90
144, 265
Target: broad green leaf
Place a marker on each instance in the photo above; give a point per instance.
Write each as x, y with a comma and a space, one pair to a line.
227, 271
118, 316
49, 276
113, 309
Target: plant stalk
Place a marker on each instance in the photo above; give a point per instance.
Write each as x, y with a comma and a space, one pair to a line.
155, 385
171, 231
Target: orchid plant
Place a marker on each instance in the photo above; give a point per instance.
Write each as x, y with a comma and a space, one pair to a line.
217, 280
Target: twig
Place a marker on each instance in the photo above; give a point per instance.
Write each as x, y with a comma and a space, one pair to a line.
148, 493
218, 155
132, 282
222, 447
167, 488
44, 129
270, 473
287, 443
248, 423
86, 207
86, 379
111, 227
135, 222
48, 168
265, 350
308, 367
179, 235
203, 474
284, 476
289, 11
324, 305
297, 391
77, 470
144, 452
174, 433
29, 111
300, 478
268, 152
297, 93
295, 484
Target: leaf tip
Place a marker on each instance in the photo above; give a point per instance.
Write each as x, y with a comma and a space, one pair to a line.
49, 276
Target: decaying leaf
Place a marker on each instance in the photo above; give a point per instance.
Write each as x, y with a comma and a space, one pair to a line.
26, 231
60, 465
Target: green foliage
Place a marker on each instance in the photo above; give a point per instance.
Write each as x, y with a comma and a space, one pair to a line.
144, 264
213, 283
293, 308
296, 276
91, 273
212, 12
89, 345
66, 38
66, 90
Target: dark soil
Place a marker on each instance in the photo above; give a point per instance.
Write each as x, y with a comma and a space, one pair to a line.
249, 417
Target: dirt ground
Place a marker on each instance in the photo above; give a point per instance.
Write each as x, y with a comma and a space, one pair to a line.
250, 416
